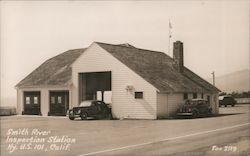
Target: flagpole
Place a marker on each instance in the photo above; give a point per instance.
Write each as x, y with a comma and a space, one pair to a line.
169, 36
169, 40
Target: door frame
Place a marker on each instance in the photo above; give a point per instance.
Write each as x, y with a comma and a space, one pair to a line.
24, 102
66, 101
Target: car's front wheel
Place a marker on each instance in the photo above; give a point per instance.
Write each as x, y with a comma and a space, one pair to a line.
71, 115
71, 118
84, 116
194, 114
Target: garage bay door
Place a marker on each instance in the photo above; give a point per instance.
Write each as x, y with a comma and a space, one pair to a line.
59, 103
32, 103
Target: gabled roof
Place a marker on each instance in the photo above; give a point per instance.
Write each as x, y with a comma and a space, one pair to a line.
158, 69
53, 72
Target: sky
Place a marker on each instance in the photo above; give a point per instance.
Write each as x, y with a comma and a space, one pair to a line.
215, 33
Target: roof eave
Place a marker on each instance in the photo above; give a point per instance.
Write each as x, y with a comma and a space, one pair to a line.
43, 86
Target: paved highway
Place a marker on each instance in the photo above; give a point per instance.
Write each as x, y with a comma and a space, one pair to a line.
226, 134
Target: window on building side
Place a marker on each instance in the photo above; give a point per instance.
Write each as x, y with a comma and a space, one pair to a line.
194, 95
27, 100
208, 99
52, 100
35, 100
138, 95
59, 99
185, 96
215, 98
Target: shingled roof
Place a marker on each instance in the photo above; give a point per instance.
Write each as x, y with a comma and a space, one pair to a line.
53, 72
157, 68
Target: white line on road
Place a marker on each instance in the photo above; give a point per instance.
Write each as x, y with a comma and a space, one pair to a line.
166, 139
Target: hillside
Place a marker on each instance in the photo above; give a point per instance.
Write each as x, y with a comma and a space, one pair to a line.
236, 81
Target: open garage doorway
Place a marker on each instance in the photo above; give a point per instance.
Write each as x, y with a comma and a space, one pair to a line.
95, 86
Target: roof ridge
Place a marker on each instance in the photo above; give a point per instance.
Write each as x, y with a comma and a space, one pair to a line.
153, 51
64, 53
149, 50
120, 45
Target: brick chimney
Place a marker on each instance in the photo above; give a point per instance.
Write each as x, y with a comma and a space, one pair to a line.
178, 56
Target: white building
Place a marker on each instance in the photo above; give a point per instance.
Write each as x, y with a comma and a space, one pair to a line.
144, 84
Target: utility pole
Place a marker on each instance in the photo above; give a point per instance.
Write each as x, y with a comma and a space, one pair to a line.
213, 78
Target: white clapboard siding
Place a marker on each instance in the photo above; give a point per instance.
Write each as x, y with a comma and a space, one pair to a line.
19, 102
44, 93
214, 102
124, 105
174, 103
168, 104
162, 105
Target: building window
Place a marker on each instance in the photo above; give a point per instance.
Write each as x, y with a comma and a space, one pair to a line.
208, 99
35, 100
27, 100
138, 95
185, 96
194, 95
59, 99
215, 98
52, 100
202, 95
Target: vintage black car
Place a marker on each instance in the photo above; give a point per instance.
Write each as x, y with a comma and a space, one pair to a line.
195, 108
90, 109
227, 100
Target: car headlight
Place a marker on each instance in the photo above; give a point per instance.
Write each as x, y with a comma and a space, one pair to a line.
79, 111
70, 111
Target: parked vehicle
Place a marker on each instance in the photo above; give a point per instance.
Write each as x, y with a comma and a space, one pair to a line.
227, 100
195, 108
93, 108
